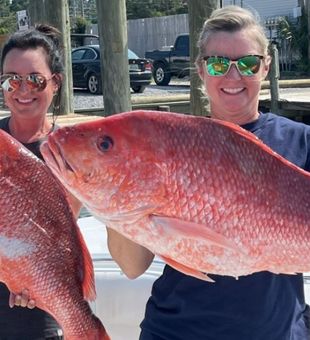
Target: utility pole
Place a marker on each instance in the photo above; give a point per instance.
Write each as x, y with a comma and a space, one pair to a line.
56, 13
112, 27
198, 12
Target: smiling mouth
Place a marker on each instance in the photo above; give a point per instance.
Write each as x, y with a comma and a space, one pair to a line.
236, 90
25, 101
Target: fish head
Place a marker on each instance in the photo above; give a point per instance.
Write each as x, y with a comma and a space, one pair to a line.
114, 165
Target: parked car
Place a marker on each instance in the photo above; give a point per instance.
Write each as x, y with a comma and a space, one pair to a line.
86, 71
171, 62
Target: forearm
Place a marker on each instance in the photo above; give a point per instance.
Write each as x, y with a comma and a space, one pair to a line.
132, 258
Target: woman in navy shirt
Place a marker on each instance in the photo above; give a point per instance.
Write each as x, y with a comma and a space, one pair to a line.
232, 62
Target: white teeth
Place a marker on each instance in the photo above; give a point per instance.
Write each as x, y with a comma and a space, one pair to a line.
233, 90
25, 101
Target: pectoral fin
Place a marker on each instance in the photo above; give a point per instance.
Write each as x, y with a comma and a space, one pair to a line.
192, 230
186, 270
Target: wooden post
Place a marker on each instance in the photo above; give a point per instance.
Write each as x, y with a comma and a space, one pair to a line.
198, 12
112, 27
274, 79
308, 16
56, 13
36, 11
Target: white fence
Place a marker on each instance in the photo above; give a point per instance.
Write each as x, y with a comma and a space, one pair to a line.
154, 33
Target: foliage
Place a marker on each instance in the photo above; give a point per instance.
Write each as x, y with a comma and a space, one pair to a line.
80, 25
8, 11
5, 8
19, 5
83, 8
135, 8
153, 8
296, 33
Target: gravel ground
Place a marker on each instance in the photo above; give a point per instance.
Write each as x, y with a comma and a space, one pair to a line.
83, 99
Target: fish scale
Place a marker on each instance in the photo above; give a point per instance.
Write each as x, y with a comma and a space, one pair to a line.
41, 247
204, 194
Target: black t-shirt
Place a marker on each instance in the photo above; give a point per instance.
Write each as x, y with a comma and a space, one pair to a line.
262, 306
22, 323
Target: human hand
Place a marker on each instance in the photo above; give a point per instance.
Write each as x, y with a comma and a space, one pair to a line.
21, 300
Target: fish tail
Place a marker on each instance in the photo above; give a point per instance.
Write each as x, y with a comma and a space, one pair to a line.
97, 333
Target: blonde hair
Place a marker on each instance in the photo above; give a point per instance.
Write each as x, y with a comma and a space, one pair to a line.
231, 19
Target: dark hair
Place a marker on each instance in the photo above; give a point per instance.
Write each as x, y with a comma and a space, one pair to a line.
42, 35
47, 37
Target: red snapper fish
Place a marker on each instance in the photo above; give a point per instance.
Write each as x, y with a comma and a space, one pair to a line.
41, 247
203, 194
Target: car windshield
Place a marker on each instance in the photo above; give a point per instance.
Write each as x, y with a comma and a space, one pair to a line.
132, 55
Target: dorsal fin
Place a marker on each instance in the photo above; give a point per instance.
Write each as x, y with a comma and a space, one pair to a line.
254, 139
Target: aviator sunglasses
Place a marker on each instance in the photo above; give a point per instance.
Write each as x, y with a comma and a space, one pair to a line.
12, 82
219, 66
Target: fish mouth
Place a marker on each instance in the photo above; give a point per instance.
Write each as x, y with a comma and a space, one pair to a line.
54, 157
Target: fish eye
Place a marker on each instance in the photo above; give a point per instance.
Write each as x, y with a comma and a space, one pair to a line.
105, 143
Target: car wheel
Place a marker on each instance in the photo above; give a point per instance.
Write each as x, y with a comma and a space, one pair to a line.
94, 85
161, 75
138, 88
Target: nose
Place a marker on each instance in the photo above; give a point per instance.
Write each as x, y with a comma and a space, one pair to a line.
233, 72
23, 86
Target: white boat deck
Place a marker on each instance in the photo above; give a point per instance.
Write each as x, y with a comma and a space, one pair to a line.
120, 302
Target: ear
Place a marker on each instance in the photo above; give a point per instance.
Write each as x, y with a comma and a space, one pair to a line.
201, 72
58, 81
266, 66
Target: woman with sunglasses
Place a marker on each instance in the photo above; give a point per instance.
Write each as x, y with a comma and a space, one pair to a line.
232, 62
31, 75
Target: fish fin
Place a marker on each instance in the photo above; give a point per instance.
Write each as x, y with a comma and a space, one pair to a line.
279, 272
89, 291
186, 270
193, 230
253, 138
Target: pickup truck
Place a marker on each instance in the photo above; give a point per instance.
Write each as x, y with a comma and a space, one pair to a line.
172, 62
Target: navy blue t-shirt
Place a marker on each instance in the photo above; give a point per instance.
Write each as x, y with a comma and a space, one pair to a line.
261, 306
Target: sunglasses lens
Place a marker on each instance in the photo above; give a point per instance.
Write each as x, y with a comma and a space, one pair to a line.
36, 82
217, 66
10, 83
248, 65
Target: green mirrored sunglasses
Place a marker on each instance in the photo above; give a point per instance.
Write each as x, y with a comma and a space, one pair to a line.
247, 65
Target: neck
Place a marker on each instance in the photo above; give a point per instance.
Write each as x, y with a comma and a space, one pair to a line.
239, 119
28, 131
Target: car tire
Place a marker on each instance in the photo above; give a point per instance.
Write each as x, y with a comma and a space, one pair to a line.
161, 74
138, 88
94, 85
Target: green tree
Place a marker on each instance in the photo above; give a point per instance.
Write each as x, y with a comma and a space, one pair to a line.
296, 34
19, 5
7, 18
80, 25
152, 8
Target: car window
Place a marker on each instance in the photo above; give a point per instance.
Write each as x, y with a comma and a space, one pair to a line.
132, 55
89, 54
78, 54
183, 42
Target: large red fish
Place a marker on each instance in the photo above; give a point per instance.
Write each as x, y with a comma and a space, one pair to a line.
41, 247
205, 195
